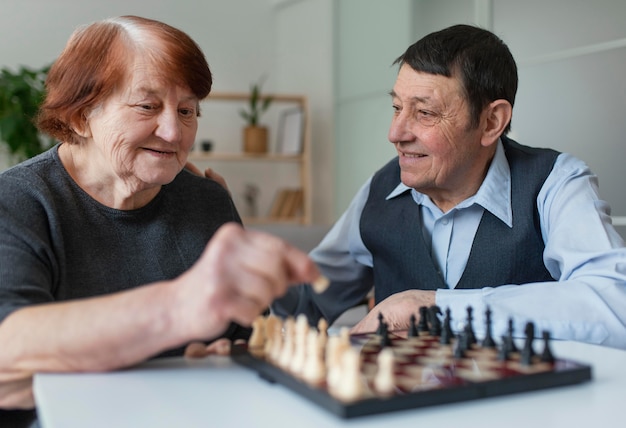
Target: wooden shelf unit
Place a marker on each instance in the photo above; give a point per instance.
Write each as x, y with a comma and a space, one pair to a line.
302, 160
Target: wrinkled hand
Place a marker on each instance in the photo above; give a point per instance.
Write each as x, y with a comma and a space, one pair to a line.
208, 173
237, 277
396, 310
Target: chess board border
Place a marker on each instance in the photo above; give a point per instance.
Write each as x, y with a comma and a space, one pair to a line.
565, 372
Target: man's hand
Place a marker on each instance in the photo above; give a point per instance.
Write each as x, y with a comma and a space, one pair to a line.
396, 310
208, 173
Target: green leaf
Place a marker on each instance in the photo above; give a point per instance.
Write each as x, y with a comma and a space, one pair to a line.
21, 93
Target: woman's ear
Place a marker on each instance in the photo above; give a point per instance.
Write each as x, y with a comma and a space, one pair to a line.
496, 117
81, 127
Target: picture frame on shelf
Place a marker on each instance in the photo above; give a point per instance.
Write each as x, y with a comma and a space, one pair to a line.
291, 132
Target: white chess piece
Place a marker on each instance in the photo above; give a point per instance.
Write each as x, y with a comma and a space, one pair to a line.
300, 341
384, 381
314, 370
350, 387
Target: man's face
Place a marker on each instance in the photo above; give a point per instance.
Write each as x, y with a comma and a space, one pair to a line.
439, 153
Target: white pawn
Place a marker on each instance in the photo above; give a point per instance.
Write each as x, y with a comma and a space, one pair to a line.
350, 387
314, 371
256, 343
287, 349
273, 337
300, 338
384, 381
335, 349
322, 328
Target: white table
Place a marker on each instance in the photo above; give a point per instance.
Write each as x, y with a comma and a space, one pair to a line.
215, 392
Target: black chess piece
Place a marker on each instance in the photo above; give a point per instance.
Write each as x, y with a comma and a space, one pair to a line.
413, 327
510, 338
384, 336
471, 337
505, 349
460, 346
446, 333
528, 352
546, 355
434, 321
423, 324
381, 321
488, 341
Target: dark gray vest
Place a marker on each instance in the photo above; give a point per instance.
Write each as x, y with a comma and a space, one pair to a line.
391, 231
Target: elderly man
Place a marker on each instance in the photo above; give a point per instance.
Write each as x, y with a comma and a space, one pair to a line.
466, 217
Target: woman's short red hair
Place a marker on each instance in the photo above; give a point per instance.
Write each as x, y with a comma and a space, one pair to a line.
97, 59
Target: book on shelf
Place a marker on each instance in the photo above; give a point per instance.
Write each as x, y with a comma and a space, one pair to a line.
287, 204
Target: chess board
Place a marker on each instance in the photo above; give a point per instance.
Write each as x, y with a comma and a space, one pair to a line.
426, 373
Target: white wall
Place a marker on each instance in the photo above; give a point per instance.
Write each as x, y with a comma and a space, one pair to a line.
572, 92
571, 57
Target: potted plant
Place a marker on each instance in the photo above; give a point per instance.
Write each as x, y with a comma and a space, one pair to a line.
255, 135
21, 93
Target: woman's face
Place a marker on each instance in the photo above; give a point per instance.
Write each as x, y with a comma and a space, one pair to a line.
142, 133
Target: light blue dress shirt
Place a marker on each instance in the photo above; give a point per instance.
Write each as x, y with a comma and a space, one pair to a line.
583, 252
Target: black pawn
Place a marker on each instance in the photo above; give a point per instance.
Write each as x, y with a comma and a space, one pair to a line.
384, 336
423, 324
469, 329
528, 352
505, 349
546, 355
510, 340
446, 333
413, 327
460, 346
488, 341
381, 321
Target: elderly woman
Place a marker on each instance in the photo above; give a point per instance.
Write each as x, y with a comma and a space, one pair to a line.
103, 239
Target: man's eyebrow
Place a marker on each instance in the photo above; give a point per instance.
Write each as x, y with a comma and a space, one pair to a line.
415, 99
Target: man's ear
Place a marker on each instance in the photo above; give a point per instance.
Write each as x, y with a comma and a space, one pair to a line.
496, 117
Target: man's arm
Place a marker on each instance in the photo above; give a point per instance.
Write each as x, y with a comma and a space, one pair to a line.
341, 257
583, 253
235, 279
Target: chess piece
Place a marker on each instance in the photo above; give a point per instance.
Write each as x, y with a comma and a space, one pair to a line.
256, 343
337, 346
469, 329
413, 327
505, 349
511, 340
314, 369
384, 381
446, 333
488, 341
460, 346
423, 324
381, 322
350, 386
322, 328
546, 355
274, 346
299, 344
433, 320
384, 336
527, 351
288, 345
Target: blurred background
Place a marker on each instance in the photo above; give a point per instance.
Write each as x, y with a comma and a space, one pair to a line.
338, 54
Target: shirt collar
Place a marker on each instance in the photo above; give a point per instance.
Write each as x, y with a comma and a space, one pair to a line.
494, 194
